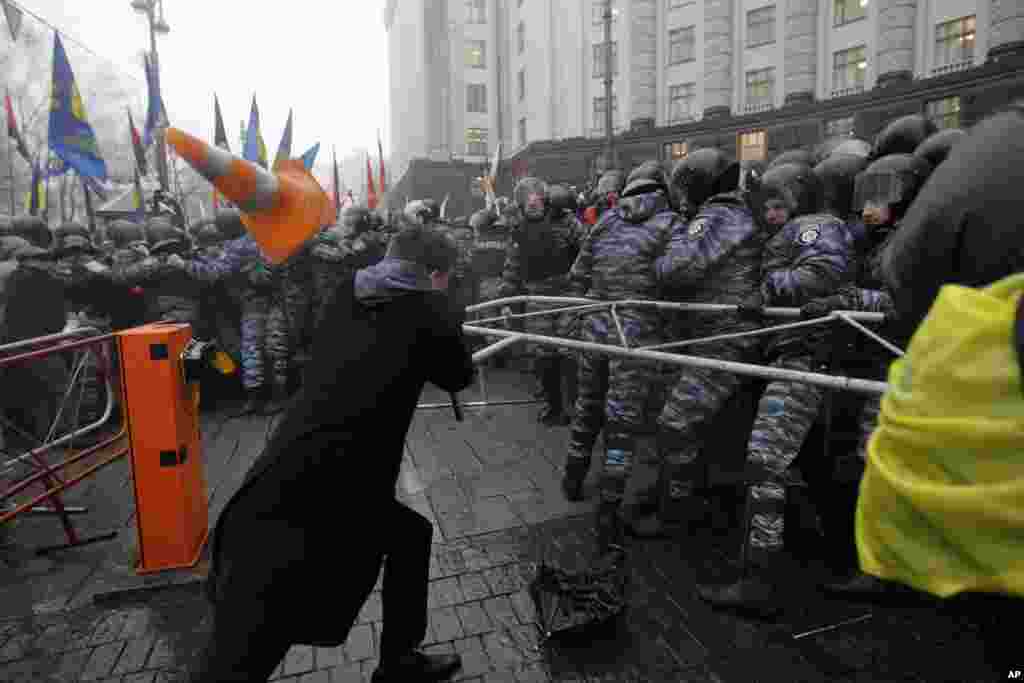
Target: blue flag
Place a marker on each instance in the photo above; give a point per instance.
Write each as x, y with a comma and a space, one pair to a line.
156, 115
71, 137
255, 150
309, 156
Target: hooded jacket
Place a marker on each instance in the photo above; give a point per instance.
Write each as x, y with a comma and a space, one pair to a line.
384, 336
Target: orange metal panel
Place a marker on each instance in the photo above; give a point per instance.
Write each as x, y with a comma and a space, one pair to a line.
167, 462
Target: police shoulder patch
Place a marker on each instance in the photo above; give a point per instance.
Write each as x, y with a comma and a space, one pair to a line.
809, 235
697, 228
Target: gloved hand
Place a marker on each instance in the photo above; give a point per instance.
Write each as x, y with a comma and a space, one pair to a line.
751, 307
507, 312
819, 308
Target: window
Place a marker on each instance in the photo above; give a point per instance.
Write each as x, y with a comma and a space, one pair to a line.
476, 54
599, 60
837, 128
476, 98
848, 70
760, 89
845, 11
682, 45
521, 37
761, 26
676, 4
954, 42
680, 102
944, 113
753, 146
476, 142
599, 112
522, 84
476, 11
674, 151
522, 132
597, 12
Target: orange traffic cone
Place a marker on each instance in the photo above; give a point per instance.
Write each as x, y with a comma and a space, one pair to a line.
282, 210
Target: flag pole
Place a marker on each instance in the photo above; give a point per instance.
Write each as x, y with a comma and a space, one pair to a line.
88, 206
46, 191
10, 169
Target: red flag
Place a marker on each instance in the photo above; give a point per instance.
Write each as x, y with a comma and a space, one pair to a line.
380, 157
140, 151
13, 132
371, 194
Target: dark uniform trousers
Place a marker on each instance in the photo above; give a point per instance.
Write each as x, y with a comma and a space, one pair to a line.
258, 637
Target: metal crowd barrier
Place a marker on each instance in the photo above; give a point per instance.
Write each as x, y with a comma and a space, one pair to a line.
45, 474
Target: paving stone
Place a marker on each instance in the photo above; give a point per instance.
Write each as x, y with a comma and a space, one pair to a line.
359, 645
493, 514
108, 629
162, 654
503, 650
475, 663
368, 666
144, 677
504, 579
15, 648
101, 662
137, 622
501, 611
440, 649
446, 624
372, 610
298, 659
70, 666
444, 593
532, 673
321, 676
474, 619
474, 587
348, 674
500, 677
133, 657
523, 605
328, 657
468, 644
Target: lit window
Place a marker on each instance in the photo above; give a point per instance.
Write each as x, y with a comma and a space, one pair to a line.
599, 60
761, 26
674, 151
845, 11
476, 98
848, 70
945, 113
522, 84
521, 37
476, 142
761, 88
837, 128
476, 54
753, 146
522, 132
476, 11
681, 99
599, 113
682, 45
954, 42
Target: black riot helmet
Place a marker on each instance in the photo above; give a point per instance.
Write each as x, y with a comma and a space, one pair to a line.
961, 228
837, 176
164, 236
355, 220
207, 234
794, 185
902, 136
420, 212
561, 199
793, 156
854, 147
703, 174
936, 147
482, 220
72, 237
33, 229
125, 233
611, 182
229, 223
531, 195
891, 182
645, 178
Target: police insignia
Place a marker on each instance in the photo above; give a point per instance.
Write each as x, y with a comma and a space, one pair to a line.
696, 228
810, 236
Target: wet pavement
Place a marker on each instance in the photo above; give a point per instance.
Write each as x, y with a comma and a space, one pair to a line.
490, 484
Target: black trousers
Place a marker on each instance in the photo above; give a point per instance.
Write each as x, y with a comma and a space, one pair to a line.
258, 636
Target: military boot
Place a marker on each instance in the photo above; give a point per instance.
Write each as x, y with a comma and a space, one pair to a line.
570, 372
764, 565
573, 476
640, 516
617, 465
553, 414
680, 508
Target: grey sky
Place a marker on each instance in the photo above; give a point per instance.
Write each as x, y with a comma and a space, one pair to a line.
327, 60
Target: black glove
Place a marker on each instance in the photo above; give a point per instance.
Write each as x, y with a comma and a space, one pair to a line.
819, 308
751, 307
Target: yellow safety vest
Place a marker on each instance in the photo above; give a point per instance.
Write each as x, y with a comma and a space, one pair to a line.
941, 505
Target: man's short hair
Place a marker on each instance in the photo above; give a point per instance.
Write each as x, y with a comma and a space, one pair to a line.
431, 248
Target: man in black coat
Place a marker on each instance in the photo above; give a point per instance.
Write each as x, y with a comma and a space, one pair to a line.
299, 547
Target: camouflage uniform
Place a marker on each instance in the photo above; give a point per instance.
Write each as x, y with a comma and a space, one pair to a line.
716, 258
286, 317
464, 285
812, 256
327, 265
616, 263
489, 247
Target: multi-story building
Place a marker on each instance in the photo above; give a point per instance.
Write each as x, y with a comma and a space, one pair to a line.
468, 73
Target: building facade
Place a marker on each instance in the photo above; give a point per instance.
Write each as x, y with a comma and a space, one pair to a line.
524, 71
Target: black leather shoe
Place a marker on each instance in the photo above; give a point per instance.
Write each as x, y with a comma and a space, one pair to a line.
859, 584
553, 417
417, 666
753, 595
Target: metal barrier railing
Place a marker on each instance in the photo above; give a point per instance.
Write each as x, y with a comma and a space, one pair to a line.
46, 474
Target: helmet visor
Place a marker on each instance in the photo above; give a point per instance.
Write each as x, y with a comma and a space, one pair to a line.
882, 189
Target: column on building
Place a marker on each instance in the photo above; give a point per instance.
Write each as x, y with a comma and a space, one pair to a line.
643, 63
896, 41
718, 49
801, 50
1007, 31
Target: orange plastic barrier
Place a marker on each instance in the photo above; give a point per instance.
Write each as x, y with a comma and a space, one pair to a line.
167, 460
